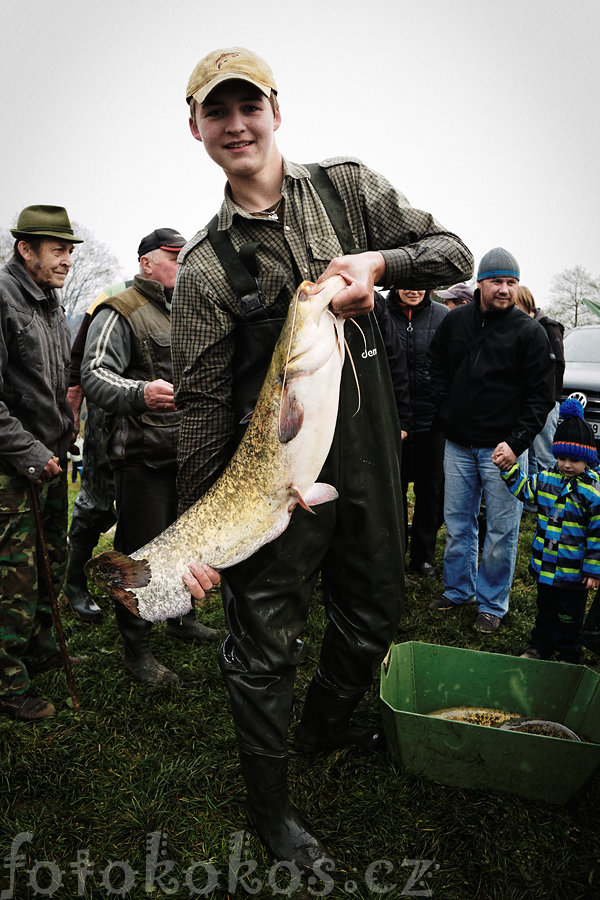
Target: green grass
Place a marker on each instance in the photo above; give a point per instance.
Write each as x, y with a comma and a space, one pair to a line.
144, 760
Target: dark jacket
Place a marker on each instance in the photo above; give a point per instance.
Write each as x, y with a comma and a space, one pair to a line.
35, 419
492, 376
555, 332
416, 332
129, 345
397, 361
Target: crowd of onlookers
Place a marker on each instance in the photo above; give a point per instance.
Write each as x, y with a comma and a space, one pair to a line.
485, 387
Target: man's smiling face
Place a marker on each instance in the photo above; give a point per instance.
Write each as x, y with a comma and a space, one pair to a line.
236, 124
498, 293
48, 262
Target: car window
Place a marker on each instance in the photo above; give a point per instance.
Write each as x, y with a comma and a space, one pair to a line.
583, 345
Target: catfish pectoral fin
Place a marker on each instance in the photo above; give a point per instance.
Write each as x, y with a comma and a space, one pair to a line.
320, 492
301, 501
316, 494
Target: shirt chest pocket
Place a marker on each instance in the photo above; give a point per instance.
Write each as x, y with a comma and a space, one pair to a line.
322, 249
33, 342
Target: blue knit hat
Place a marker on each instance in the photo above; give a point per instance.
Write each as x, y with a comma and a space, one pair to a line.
574, 437
498, 262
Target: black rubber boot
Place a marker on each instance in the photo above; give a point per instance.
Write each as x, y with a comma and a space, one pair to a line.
188, 628
75, 587
275, 820
326, 726
137, 656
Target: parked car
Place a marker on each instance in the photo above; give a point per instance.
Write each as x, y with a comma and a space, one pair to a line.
582, 372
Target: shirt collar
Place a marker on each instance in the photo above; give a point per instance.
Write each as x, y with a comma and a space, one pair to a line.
291, 172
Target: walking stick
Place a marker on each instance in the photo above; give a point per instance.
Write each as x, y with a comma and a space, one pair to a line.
60, 635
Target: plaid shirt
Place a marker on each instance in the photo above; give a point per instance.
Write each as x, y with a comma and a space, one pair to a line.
418, 251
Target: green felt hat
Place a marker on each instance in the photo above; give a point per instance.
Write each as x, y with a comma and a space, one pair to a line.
44, 221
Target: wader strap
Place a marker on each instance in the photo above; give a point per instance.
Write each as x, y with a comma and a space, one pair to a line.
241, 270
241, 267
335, 209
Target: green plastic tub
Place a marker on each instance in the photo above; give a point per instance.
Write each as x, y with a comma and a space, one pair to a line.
418, 678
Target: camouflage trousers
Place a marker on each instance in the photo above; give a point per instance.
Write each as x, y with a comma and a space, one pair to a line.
26, 634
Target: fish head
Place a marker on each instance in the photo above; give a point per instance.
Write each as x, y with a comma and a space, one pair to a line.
314, 331
320, 295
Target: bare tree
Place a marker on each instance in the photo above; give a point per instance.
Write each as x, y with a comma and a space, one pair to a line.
94, 267
7, 242
568, 292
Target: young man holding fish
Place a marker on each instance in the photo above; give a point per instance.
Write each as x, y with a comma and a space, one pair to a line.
273, 212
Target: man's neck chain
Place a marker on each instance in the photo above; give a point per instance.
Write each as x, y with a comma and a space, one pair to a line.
272, 212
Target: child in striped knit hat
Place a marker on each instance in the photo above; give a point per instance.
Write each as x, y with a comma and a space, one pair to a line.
565, 554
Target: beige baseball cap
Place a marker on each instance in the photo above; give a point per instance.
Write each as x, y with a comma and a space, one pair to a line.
223, 65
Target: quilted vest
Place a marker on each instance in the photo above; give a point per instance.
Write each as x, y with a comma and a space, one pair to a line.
148, 436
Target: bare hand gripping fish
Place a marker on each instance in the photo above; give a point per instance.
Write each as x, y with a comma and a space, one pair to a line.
273, 469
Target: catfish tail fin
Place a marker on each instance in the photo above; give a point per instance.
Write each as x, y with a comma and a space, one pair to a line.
119, 575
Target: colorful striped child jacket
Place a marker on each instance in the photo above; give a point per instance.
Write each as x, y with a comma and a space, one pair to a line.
566, 546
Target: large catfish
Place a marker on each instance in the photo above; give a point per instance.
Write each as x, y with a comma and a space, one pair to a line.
273, 469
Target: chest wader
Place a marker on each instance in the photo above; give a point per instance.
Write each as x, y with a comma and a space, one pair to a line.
356, 542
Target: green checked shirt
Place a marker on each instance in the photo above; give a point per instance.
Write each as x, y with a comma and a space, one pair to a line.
418, 251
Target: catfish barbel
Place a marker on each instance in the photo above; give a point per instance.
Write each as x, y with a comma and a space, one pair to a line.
273, 469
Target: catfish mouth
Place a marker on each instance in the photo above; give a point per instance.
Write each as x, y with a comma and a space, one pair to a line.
304, 290
310, 290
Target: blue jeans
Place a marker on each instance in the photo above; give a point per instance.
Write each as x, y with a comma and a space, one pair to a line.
469, 472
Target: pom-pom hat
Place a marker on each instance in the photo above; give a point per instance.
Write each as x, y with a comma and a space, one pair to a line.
574, 437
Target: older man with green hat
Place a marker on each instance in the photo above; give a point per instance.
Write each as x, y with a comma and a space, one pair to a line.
35, 431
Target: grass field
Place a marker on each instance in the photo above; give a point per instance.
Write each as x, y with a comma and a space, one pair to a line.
143, 796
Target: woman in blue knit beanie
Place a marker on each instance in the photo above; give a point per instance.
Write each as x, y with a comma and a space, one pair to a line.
565, 554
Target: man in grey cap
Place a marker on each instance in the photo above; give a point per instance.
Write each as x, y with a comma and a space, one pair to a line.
36, 426
492, 378
457, 295
126, 370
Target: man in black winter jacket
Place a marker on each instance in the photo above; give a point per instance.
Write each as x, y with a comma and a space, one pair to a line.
492, 378
415, 317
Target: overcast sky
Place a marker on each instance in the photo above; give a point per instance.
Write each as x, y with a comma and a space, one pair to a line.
483, 112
